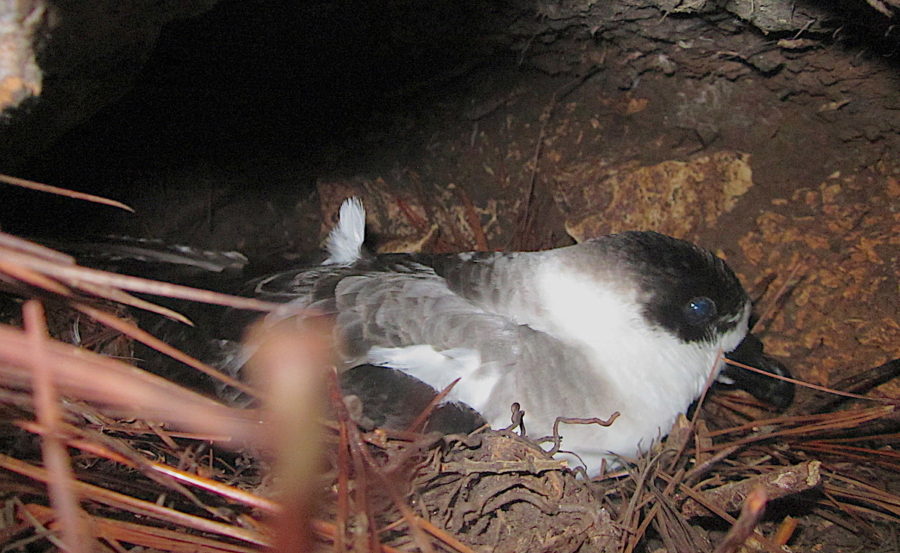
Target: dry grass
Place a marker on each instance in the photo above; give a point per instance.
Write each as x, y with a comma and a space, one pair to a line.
101, 455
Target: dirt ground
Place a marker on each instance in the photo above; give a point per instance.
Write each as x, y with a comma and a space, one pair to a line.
782, 157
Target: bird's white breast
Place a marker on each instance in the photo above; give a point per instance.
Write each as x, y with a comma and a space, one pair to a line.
646, 374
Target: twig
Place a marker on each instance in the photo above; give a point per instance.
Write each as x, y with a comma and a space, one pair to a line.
751, 513
136, 333
134, 505
778, 483
114, 294
290, 363
785, 530
857, 383
698, 471
767, 544
557, 439
517, 418
805, 424
148, 536
80, 275
891, 369
630, 516
25, 246
94, 377
61, 484
354, 448
421, 419
169, 477
31, 185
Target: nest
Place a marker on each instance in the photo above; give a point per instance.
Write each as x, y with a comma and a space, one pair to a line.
100, 454
497, 491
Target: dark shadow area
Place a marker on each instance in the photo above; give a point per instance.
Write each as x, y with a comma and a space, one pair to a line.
243, 85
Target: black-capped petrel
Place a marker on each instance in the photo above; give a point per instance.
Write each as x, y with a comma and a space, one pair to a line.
632, 323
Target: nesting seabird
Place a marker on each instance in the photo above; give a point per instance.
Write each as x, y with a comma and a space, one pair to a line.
633, 323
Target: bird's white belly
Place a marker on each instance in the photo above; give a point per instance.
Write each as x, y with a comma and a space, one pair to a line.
648, 396
440, 369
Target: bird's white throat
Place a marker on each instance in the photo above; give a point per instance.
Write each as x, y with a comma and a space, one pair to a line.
645, 373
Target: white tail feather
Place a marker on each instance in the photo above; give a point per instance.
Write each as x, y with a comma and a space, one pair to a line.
345, 241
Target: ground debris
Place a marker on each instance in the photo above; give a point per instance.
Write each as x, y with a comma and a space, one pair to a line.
506, 494
777, 483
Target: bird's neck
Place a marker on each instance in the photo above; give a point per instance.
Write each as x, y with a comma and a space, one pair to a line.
642, 365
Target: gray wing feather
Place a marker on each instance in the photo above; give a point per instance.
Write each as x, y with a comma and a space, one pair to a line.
447, 301
499, 282
409, 303
398, 310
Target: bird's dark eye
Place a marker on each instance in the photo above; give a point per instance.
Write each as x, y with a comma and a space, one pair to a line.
699, 311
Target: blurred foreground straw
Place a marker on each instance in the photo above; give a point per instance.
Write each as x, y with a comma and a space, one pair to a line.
52, 379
